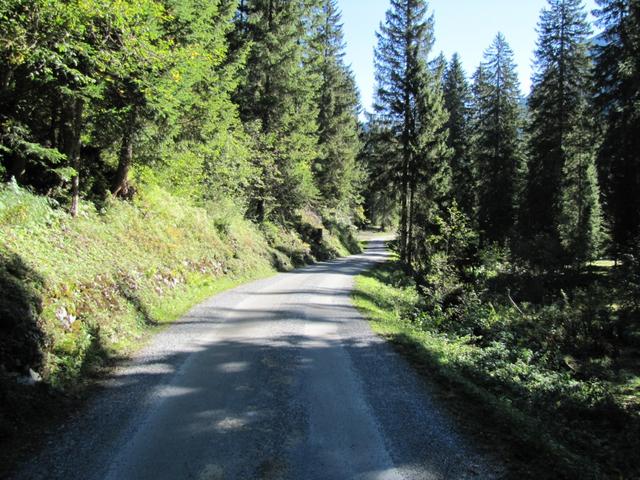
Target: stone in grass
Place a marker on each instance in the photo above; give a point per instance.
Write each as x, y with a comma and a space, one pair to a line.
30, 380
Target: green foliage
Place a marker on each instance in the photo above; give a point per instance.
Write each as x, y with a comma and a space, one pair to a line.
580, 223
377, 153
545, 371
497, 144
617, 75
80, 290
202, 99
337, 173
464, 177
561, 204
101, 89
276, 98
198, 142
451, 242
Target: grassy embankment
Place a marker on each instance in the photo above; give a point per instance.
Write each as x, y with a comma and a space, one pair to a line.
77, 293
542, 423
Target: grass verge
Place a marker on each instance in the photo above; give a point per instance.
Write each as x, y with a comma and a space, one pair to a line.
526, 445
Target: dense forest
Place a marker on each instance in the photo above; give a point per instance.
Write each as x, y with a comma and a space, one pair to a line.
236, 126
206, 99
519, 224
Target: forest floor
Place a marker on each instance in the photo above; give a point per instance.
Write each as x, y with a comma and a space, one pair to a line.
597, 444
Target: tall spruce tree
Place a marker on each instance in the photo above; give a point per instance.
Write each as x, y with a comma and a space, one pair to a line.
439, 66
497, 145
336, 170
409, 103
430, 178
457, 98
560, 211
618, 98
276, 102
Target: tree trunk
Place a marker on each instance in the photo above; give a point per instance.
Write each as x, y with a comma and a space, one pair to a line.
72, 131
412, 189
403, 218
6, 76
120, 187
260, 210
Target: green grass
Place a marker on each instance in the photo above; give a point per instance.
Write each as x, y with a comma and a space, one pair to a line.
527, 444
366, 235
107, 278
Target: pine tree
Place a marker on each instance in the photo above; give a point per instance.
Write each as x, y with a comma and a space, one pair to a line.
430, 178
457, 97
409, 103
276, 103
336, 170
497, 146
618, 96
561, 212
580, 224
438, 66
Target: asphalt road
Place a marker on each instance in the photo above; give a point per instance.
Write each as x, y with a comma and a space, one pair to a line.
277, 379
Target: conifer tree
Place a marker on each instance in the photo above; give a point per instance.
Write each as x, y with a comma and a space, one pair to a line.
409, 103
618, 100
439, 66
497, 146
276, 103
457, 97
561, 205
336, 170
430, 178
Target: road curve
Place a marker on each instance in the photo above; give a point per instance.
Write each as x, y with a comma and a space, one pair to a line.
277, 379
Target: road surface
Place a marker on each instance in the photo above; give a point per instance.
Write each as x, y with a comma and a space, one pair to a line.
277, 379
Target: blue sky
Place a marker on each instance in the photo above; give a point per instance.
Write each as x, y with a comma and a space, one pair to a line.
463, 26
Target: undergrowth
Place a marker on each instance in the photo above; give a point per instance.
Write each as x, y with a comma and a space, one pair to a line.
557, 414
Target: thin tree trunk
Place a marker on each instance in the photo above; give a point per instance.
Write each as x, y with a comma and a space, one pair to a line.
6, 76
73, 127
404, 212
412, 189
260, 210
120, 185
